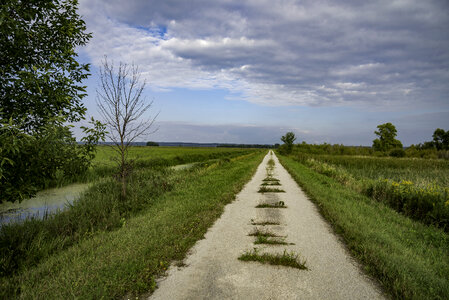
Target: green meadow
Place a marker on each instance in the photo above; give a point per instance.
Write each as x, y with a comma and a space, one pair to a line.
103, 246
392, 213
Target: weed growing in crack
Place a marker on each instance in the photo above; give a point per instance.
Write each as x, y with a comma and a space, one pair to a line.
270, 241
264, 223
270, 178
279, 204
265, 189
288, 259
270, 164
270, 183
265, 233
267, 237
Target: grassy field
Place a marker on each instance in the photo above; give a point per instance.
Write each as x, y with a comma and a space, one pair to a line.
421, 171
104, 247
142, 155
418, 188
409, 259
104, 163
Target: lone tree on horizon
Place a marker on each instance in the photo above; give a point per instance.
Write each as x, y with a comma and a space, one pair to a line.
122, 107
288, 140
387, 138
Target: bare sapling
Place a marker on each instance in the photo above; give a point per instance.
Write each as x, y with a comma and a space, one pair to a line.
122, 105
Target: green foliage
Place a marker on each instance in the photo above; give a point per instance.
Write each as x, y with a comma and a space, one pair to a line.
154, 144
425, 200
41, 90
262, 240
421, 171
279, 204
288, 139
30, 162
398, 152
288, 259
265, 189
264, 146
125, 261
39, 76
386, 141
426, 203
441, 139
148, 157
23, 245
332, 149
407, 257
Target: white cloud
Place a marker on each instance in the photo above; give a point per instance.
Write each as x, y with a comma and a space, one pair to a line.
282, 52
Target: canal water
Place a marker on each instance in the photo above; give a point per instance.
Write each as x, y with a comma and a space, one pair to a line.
47, 201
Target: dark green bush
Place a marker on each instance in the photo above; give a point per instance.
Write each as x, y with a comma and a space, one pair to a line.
398, 152
31, 162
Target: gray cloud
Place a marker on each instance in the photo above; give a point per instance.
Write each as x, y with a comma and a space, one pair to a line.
393, 54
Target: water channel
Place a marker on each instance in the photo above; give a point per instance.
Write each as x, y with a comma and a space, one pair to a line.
49, 201
46, 201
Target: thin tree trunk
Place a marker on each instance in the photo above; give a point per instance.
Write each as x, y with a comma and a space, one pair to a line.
123, 171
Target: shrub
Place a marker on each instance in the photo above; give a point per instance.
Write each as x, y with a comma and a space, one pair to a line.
398, 152
30, 162
427, 203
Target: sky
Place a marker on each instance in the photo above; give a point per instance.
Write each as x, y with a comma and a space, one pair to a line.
233, 71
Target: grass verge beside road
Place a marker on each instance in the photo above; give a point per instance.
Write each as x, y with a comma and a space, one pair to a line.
126, 261
408, 258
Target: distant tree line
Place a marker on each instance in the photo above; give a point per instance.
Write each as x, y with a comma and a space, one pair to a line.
440, 141
385, 144
245, 146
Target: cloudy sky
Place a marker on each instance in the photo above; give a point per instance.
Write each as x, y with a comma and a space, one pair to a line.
238, 71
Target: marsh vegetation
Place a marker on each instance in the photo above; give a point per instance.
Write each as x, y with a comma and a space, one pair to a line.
102, 224
391, 212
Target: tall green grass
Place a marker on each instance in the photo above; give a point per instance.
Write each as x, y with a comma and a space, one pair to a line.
426, 202
126, 260
411, 169
23, 245
408, 258
104, 164
149, 157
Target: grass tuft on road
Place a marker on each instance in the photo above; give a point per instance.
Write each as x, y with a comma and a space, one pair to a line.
270, 241
279, 204
270, 179
265, 223
288, 259
265, 233
265, 189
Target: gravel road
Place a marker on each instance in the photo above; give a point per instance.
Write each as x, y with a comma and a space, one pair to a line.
213, 270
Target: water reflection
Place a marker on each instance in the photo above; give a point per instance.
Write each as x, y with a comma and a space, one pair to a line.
46, 201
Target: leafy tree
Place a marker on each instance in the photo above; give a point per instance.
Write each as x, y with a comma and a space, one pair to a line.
39, 76
122, 106
154, 144
386, 141
40, 91
288, 140
29, 163
441, 139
